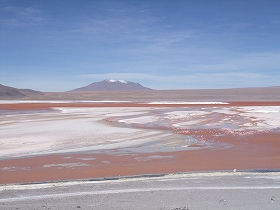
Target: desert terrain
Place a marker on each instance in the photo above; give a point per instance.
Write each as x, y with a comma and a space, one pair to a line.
62, 138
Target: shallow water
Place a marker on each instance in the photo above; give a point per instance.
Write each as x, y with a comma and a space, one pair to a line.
21, 112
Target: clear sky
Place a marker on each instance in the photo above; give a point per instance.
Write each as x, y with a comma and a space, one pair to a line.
58, 45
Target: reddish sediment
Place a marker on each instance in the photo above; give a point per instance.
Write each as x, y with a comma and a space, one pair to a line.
44, 106
255, 151
259, 151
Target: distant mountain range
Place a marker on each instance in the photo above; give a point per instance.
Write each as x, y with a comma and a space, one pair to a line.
111, 85
116, 90
7, 92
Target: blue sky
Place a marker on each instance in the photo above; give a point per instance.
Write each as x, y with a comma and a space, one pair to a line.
58, 45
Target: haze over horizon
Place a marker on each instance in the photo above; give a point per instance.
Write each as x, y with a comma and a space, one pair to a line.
62, 45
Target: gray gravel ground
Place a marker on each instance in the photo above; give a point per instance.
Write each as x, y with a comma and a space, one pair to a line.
217, 190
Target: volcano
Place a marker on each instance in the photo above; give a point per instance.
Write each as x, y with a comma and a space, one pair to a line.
111, 85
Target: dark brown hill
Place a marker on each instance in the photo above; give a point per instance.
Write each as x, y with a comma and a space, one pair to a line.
7, 92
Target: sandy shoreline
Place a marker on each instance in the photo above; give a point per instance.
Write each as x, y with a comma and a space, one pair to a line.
212, 190
135, 139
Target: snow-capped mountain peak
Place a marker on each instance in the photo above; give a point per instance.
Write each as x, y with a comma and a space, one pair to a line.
119, 81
